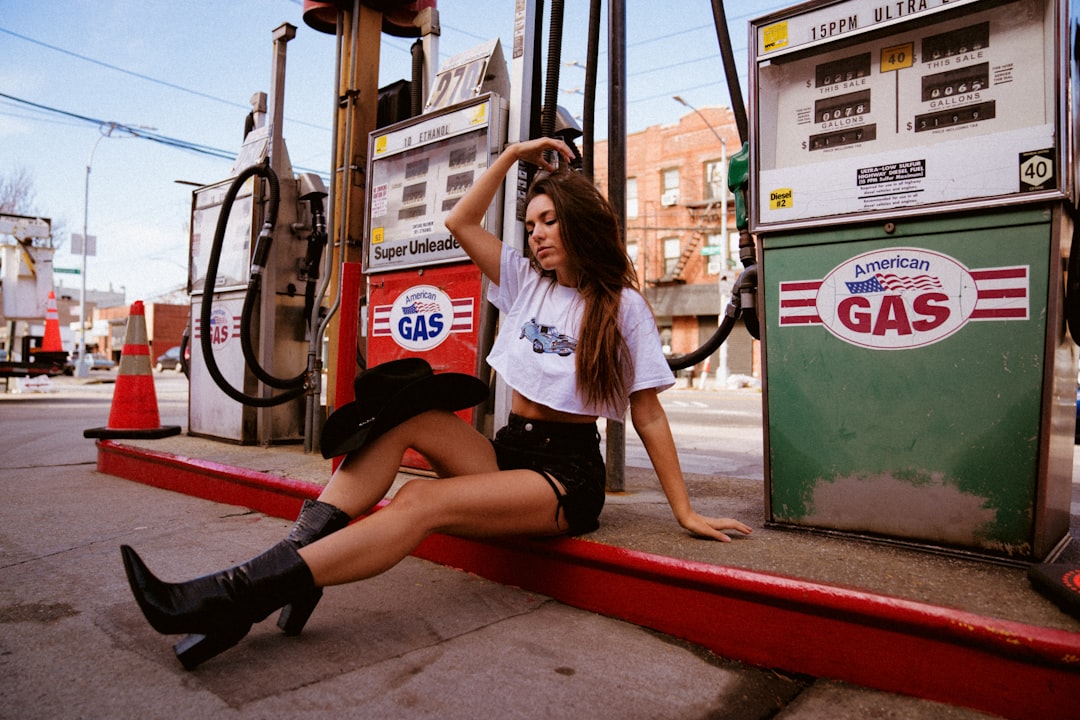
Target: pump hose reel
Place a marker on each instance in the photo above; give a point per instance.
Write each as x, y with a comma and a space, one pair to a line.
295, 387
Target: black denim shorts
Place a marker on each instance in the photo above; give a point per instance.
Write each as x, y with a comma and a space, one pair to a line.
565, 452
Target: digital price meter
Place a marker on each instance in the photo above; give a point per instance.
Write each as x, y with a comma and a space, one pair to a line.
419, 170
871, 108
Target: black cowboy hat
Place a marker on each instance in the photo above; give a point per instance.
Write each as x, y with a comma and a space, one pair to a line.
390, 393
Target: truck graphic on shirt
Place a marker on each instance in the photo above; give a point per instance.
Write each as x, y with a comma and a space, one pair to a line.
547, 338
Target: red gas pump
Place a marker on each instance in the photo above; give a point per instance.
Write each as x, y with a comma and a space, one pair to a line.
425, 298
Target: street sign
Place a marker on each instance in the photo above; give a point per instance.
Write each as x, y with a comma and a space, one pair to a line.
77, 244
67, 271
712, 249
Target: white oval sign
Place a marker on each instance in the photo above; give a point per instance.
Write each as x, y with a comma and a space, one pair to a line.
421, 317
896, 299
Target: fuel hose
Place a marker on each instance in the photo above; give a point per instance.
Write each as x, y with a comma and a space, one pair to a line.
262, 251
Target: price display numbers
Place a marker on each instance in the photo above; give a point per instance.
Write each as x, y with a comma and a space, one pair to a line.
457, 84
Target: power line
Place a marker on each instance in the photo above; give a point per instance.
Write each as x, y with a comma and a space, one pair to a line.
141, 76
132, 131
142, 133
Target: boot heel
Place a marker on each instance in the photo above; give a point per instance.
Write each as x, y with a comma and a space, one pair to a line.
294, 616
196, 649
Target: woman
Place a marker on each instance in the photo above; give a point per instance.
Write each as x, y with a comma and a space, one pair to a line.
576, 342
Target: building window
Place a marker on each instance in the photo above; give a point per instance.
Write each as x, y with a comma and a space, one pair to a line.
669, 182
714, 180
631, 198
672, 250
632, 250
717, 260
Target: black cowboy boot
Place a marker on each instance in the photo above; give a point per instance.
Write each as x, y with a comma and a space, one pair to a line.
218, 609
316, 520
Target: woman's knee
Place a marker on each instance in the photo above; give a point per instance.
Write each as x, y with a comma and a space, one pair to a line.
416, 498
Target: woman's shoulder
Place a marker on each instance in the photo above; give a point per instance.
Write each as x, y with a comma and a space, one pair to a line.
633, 302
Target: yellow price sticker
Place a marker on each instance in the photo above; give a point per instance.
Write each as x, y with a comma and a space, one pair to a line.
377, 235
897, 57
380, 144
781, 198
775, 36
479, 115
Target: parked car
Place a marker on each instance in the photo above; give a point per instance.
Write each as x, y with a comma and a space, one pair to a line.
93, 362
169, 360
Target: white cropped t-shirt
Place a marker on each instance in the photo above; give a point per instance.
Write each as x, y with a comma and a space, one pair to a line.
539, 327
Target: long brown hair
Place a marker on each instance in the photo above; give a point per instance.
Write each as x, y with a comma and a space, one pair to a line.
591, 238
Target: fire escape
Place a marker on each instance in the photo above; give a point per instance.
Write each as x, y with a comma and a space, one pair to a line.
706, 217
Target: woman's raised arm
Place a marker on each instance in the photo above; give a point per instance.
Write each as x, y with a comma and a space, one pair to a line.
466, 220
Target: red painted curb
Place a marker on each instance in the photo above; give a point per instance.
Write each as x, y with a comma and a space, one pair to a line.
996, 666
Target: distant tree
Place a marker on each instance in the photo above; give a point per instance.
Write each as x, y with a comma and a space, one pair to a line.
17, 192
17, 198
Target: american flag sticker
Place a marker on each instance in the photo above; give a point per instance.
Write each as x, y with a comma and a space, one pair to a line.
902, 298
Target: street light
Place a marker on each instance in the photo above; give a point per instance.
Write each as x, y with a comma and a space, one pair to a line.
80, 366
722, 370
723, 165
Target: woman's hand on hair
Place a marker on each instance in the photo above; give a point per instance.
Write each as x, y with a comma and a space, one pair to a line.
534, 151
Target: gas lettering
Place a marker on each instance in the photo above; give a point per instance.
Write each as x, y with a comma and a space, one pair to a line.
934, 310
219, 334
421, 328
857, 314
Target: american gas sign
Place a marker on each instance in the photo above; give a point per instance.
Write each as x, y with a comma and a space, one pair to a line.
901, 298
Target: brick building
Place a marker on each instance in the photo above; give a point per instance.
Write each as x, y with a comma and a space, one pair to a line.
675, 232
165, 324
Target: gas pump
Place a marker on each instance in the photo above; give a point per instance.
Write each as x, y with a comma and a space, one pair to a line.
425, 297
256, 243
913, 190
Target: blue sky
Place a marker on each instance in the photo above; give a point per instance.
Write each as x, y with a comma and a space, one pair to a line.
187, 70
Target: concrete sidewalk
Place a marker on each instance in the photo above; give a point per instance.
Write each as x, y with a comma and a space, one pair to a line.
639, 519
421, 641
962, 631
425, 640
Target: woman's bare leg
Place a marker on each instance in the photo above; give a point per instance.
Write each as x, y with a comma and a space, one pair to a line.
449, 444
487, 504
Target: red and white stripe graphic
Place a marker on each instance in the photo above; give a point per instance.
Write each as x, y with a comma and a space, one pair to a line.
798, 303
1003, 293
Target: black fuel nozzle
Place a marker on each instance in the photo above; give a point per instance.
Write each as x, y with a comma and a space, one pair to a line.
567, 130
262, 249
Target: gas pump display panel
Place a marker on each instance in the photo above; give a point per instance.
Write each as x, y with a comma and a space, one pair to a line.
866, 108
235, 260
419, 170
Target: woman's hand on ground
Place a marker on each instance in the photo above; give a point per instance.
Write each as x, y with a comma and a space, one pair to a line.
712, 528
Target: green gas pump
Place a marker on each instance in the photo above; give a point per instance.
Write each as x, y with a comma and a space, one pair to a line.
913, 192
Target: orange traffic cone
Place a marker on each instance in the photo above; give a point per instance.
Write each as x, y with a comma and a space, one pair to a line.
134, 412
51, 342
